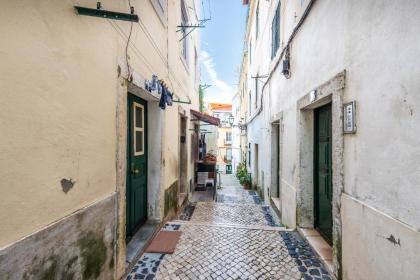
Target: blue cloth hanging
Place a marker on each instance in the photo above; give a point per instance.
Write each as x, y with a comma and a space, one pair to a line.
165, 97
162, 101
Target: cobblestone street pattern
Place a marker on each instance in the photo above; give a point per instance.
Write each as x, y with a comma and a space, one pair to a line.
233, 238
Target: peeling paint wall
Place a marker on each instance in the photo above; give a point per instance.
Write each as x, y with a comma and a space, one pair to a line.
80, 246
171, 199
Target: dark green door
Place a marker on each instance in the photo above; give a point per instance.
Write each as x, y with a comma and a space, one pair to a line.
228, 169
136, 193
323, 172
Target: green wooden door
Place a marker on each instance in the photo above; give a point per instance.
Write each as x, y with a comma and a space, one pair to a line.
323, 172
136, 192
228, 169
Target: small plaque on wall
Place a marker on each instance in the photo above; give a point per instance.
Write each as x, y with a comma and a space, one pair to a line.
349, 117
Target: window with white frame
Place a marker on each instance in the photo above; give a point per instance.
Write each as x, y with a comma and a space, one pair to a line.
275, 32
184, 22
228, 154
196, 67
138, 129
228, 136
160, 7
256, 92
257, 21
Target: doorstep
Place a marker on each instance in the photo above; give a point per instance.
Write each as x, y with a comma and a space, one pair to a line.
275, 204
320, 246
140, 240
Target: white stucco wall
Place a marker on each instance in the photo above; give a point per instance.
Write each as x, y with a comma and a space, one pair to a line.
376, 43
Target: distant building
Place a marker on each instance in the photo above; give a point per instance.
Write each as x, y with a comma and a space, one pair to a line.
236, 132
219, 141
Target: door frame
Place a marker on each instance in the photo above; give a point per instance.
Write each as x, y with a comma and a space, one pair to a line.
316, 173
156, 155
183, 154
332, 92
131, 138
276, 154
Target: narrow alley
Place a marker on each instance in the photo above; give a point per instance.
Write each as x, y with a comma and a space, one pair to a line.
237, 237
210, 139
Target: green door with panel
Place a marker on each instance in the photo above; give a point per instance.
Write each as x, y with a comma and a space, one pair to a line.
323, 172
136, 192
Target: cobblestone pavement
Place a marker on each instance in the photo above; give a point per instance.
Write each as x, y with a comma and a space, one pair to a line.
234, 238
240, 214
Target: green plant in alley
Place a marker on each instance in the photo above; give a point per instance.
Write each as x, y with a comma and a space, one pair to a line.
243, 176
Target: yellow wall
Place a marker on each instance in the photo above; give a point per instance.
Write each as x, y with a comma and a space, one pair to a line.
58, 85
222, 147
182, 80
243, 97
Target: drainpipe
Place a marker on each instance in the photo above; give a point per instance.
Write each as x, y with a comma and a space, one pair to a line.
289, 41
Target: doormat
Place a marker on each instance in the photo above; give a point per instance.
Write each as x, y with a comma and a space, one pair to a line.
200, 188
164, 242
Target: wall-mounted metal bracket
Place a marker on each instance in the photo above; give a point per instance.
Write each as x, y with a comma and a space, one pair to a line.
106, 14
183, 27
180, 101
259, 77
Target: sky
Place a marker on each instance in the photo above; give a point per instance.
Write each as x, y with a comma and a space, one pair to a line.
221, 48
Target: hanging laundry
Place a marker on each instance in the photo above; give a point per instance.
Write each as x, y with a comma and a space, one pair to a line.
169, 98
165, 97
152, 85
154, 82
162, 101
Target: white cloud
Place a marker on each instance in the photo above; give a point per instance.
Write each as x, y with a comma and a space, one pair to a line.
220, 91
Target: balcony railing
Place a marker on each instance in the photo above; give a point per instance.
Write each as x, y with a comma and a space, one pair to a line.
227, 159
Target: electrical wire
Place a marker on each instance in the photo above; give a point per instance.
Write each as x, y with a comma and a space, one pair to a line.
282, 53
138, 53
128, 43
141, 56
126, 51
132, 46
154, 45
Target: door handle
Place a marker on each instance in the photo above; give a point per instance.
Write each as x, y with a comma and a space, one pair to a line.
135, 171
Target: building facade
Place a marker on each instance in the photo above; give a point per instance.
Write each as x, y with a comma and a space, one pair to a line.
220, 139
96, 118
236, 132
331, 126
